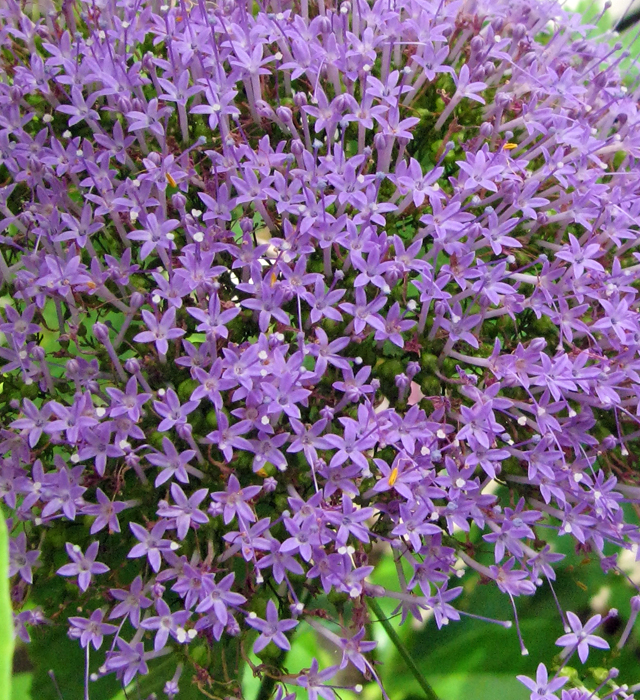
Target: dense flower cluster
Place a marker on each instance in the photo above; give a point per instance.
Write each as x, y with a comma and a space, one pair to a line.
294, 285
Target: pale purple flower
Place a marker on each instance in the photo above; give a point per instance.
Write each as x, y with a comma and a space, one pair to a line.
581, 637
271, 630
185, 511
543, 688
20, 560
151, 544
91, 630
165, 623
160, 331
84, 566
234, 500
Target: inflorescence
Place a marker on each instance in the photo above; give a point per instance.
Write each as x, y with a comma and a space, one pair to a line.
293, 284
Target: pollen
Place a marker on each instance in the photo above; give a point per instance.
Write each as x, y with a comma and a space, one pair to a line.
170, 179
510, 146
393, 477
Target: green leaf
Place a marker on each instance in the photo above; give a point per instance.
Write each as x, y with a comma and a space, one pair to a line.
21, 686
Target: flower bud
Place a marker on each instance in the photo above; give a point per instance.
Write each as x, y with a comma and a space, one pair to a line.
157, 590
124, 104
137, 300
324, 24
299, 99
233, 628
519, 31
502, 100
380, 141
542, 218
412, 369
476, 44
284, 114
402, 381
184, 430
486, 130
132, 365
264, 109
15, 93
215, 509
327, 413
72, 368
147, 61
269, 485
297, 148
101, 333
179, 201
488, 68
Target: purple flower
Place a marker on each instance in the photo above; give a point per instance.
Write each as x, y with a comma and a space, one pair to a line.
172, 412
271, 630
354, 649
129, 661
159, 331
350, 521
19, 326
580, 637
151, 544
127, 402
172, 463
99, 447
92, 630
20, 560
185, 512
132, 602
106, 511
150, 119
165, 623
219, 597
34, 421
313, 681
84, 566
543, 688
235, 500
227, 436
464, 88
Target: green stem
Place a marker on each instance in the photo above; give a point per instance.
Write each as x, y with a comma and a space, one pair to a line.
402, 650
268, 682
